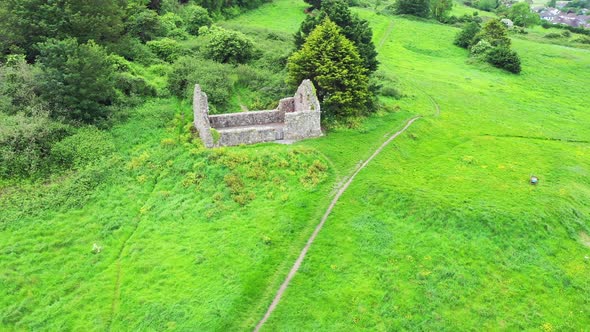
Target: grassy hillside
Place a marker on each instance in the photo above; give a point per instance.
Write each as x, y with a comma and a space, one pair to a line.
441, 232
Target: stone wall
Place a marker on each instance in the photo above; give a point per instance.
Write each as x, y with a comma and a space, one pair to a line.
303, 124
236, 136
246, 119
295, 118
201, 114
306, 98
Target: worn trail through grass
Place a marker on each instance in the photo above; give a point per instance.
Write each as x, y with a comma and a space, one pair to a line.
119, 271
319, 227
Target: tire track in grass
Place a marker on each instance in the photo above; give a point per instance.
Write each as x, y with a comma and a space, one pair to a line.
386, 35
303, 253
117, 290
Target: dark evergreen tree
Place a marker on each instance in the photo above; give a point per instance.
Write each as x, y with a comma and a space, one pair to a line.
315, 4
333, 64
353, 27
420, 8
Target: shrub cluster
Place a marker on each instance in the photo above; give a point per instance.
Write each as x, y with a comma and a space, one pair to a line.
490, 43
26, 142
227, 46
579, 30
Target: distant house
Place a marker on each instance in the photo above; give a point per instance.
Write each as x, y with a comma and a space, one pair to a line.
556, 16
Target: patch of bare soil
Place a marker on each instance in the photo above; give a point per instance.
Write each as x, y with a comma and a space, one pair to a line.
585, 239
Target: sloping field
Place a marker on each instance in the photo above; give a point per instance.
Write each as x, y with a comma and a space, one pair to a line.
440, 232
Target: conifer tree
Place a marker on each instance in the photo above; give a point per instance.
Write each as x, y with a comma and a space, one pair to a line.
334, 66
353, 27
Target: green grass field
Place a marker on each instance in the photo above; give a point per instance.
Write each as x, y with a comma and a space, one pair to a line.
441, 232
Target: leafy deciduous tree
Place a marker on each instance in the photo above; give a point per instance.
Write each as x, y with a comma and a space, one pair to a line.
24, 23
521, 14
440, 9
76, 79
144, 24
18, 86
197, 17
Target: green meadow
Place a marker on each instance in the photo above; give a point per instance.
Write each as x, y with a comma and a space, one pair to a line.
442, 231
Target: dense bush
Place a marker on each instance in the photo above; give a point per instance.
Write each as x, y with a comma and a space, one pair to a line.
214, 78
145, 25
495, 32
85, 146
390, 91
166, 49
131, 85
440, 9
490, 43
227, 46
269, 86
487, 5
553, 35
582, 40
225, 5
503, 57
197, 17
315, 4
18, 86
173, 26
132, 49
466, 36
420, 8
25, 144
76, 79
24, 23
481, 48
546, 24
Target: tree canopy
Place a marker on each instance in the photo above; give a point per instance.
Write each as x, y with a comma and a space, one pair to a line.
440, 9
420, 8
495, 32
521, 14
335, 67
76, 79
353, 27
23, 23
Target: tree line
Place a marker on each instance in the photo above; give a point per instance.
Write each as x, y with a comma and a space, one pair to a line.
69, 67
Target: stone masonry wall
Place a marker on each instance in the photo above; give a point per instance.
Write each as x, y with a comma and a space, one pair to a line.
303, 124
246, 119
201, 114
295, 118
